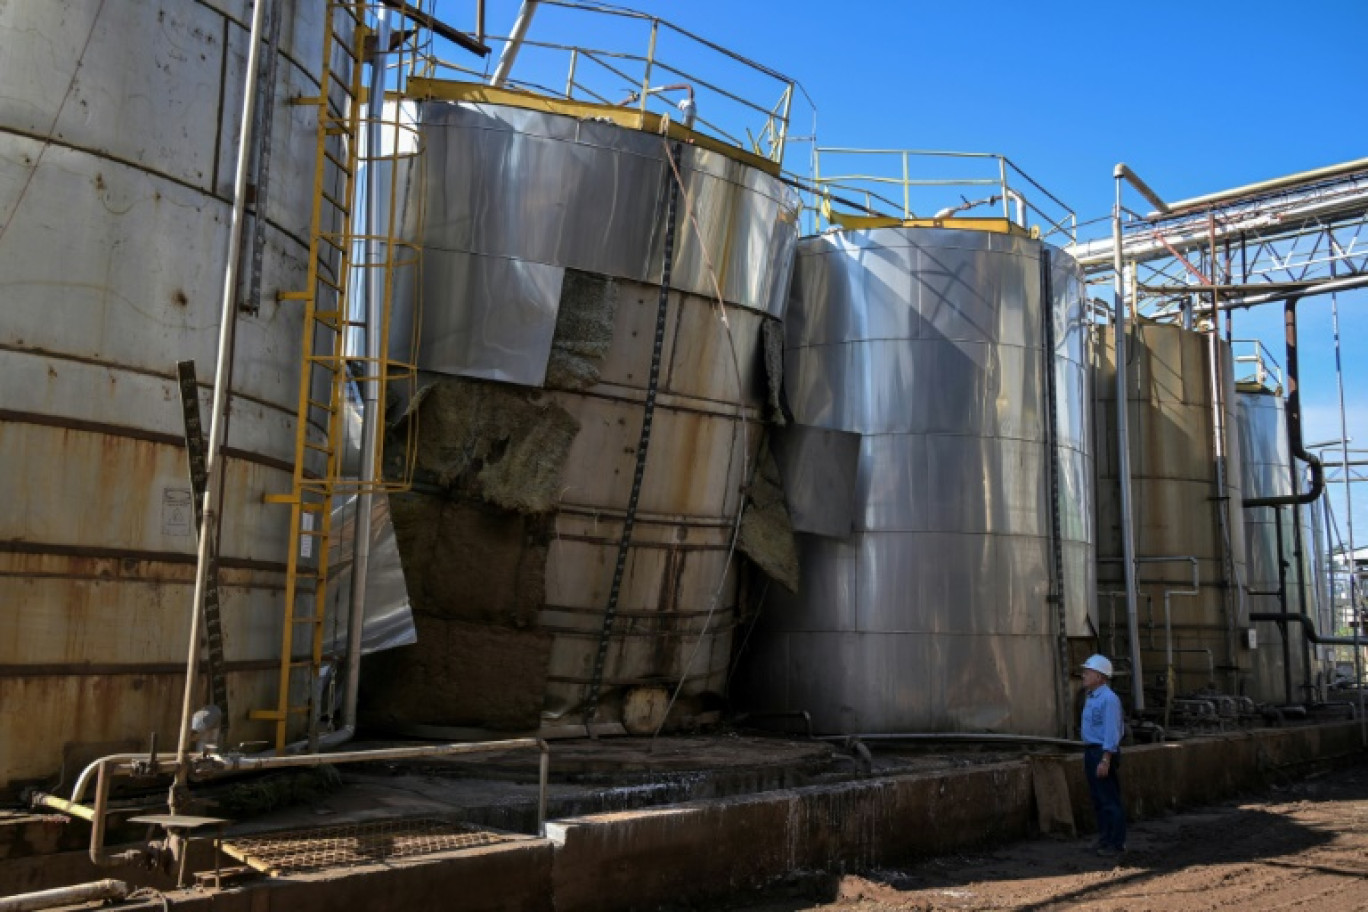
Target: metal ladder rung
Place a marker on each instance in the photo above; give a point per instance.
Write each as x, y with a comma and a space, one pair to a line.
342, 44
329, 283
318, 448
333, 363
341, 209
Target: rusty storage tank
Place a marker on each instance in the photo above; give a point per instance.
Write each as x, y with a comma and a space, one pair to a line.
1182, 529
555, 262
118, 133
1286, 535
928, 608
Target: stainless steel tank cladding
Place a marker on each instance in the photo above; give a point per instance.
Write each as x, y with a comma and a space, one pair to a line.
526, 217
1173, 485
934, 614
1266, 457
118, 132
515, 196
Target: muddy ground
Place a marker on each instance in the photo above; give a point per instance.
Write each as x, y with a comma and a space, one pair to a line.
1300, 845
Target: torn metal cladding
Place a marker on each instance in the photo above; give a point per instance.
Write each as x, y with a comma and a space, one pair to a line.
566, 306
927, 607
117, 145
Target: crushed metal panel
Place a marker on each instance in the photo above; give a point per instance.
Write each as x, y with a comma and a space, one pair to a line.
818, 466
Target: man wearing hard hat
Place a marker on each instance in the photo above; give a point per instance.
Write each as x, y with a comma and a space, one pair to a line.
1101, 730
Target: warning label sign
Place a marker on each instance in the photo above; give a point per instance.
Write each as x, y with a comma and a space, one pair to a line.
178, 511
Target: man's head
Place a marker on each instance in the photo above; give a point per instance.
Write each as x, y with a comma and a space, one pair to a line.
1096, 671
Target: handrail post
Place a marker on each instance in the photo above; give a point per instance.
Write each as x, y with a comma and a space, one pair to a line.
907, 188
570, 79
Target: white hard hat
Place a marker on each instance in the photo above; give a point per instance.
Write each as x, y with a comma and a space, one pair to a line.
1099, 664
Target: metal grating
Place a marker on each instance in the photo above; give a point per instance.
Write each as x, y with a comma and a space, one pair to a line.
301, 851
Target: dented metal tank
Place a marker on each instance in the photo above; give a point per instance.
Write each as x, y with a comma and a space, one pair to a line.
928, 607
118, 131
565, 567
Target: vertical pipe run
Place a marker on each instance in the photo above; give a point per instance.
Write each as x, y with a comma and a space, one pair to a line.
376, 276
1354, 615
1282, 608
1123, 456
1218, 448
218, 411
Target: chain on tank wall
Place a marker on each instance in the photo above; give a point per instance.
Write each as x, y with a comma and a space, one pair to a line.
1175, 511
538, 335
932, 614
119, 125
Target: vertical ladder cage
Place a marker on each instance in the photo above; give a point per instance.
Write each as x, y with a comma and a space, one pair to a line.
334, 355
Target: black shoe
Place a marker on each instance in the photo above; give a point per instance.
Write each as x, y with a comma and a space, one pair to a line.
1109, 852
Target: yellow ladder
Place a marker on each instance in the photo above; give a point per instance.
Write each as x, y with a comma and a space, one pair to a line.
323, 365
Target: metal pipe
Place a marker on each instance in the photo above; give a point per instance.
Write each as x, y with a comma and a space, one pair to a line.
213, 764
65, 896
976, 737
1294, 425
374, 290
1308, 628
1020, 202
1277, 183
1123, 172
1218, 446
222, 378
1354, 613
454, 35
515, 40
99, 856
1123, 448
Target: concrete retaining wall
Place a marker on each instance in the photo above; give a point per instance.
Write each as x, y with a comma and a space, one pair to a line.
645, 859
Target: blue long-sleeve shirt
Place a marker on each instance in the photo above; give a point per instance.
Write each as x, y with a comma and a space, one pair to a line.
1102, 719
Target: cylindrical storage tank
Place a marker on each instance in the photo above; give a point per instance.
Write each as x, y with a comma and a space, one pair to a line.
1177, 513
544, 299
1267, 457
119, 125
934, 613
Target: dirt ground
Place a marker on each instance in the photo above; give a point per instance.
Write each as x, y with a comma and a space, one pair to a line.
1300, 845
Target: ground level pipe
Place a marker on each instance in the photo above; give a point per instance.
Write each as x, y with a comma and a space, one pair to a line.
975, 737
65, 896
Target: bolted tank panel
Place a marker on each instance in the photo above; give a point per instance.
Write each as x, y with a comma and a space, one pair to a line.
1176, 511
1267, 456
118, 133
933, 614
544, 239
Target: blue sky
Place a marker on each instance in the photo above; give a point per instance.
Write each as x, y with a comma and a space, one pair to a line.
1196, 96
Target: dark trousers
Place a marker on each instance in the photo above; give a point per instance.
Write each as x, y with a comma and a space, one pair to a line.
1106, 798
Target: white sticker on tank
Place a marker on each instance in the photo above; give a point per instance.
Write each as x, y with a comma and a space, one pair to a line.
306, 540
178, 512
